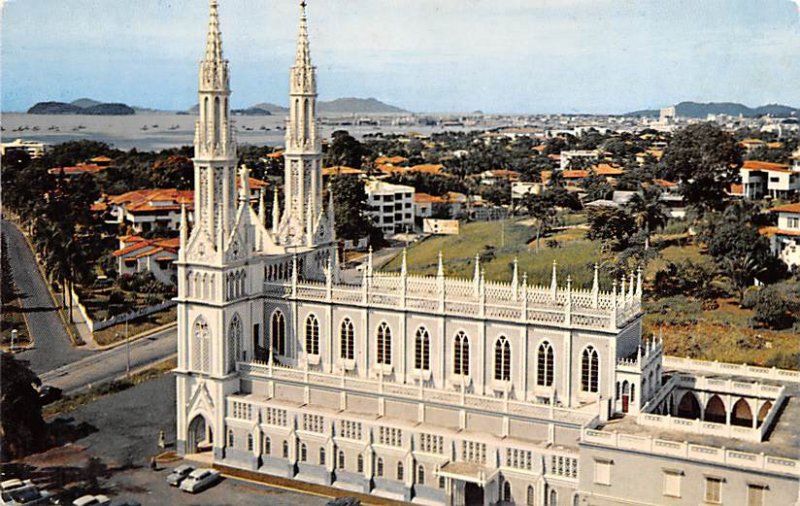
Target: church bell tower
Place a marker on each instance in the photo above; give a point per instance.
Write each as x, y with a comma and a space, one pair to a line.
302, 216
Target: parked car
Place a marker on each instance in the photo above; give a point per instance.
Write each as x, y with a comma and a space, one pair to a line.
48, 394
28, 495
127, 502
343, 501
199, 479
92, 500
13, 483
179, 474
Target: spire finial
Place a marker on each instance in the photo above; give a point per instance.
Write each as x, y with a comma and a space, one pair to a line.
214, 39
303, 54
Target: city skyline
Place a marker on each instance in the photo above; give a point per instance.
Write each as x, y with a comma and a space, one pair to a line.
588, 57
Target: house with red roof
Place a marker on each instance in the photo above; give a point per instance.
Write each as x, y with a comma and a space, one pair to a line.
158, 256
146, 210
784, 238
760, 179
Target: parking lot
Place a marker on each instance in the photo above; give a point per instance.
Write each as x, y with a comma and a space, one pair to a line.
115, 438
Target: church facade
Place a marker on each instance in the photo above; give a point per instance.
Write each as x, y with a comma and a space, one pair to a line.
436, 390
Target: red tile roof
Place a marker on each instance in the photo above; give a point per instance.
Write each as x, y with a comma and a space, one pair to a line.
787, 208
768, 166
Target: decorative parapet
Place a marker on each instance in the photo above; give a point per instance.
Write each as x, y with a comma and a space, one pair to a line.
559, 306
709, 367
689, 451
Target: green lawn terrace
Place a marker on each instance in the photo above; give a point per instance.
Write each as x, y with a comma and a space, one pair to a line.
498, 244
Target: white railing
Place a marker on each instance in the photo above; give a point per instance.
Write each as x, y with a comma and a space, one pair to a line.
689, 451
705, 366
561, 307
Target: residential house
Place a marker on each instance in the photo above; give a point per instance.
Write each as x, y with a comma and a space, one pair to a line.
136, 255
146, 210
671, 198
784, 238
575, 157
760, 179
491, 177
33, 148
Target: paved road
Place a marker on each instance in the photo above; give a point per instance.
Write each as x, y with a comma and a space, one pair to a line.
52, 345
107, 365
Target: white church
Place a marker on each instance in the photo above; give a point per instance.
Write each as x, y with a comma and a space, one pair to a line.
435, 390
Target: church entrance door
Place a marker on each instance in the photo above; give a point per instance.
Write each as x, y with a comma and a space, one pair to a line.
473, 495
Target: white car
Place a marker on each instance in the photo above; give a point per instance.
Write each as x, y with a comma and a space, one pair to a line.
199, 479
92, 500
14, 483
179, 474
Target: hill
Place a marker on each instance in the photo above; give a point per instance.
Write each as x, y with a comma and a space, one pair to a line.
701, 110
357, 105
85, 102
82, 106
271, 108
251, 111
54, 108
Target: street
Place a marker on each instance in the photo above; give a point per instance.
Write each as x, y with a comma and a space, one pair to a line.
52, 346
107, 365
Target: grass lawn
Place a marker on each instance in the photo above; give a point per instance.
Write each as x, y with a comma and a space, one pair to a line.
117, 332
498, 244
12, 319
722, 333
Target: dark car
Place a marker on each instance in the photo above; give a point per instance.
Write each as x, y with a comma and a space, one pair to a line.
48, 394
344, 501
127, 502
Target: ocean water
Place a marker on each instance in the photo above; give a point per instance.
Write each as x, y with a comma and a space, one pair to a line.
156, 131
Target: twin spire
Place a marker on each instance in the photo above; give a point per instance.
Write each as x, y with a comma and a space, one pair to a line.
303, 58
214, 39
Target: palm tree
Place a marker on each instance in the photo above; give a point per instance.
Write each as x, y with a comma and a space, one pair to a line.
648, 211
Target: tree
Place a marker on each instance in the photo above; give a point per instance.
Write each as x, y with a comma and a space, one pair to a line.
344, 149
613, 227
173, 172
350, 207
648, 212
740, 271
705, 160
542, 209
772, 309
23, 430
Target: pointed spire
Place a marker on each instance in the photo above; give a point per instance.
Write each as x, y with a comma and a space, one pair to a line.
303, 58
404, 264
262, 208
184, 233
554, 281
440, 266
596, 279
244, 184
631, 286
331, 213
639, 282
214, 38
276, 211
515, 280
368, 270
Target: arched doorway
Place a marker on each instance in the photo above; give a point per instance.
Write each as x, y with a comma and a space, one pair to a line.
715, 410
763, 412
741, 414
625, 396
200, 436
689, 407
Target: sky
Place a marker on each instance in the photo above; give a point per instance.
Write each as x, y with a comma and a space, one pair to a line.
499, 56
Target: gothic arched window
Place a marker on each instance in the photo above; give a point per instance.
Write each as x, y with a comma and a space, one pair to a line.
502, 359
422, 350
530, 498
384, 344
347, 339
278, 328
589, 369
461, 354
234, 341
201, 346
400, 471
341, 459
360, 463
379, 467
544, 361
267, 445
421, 474
312, 335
